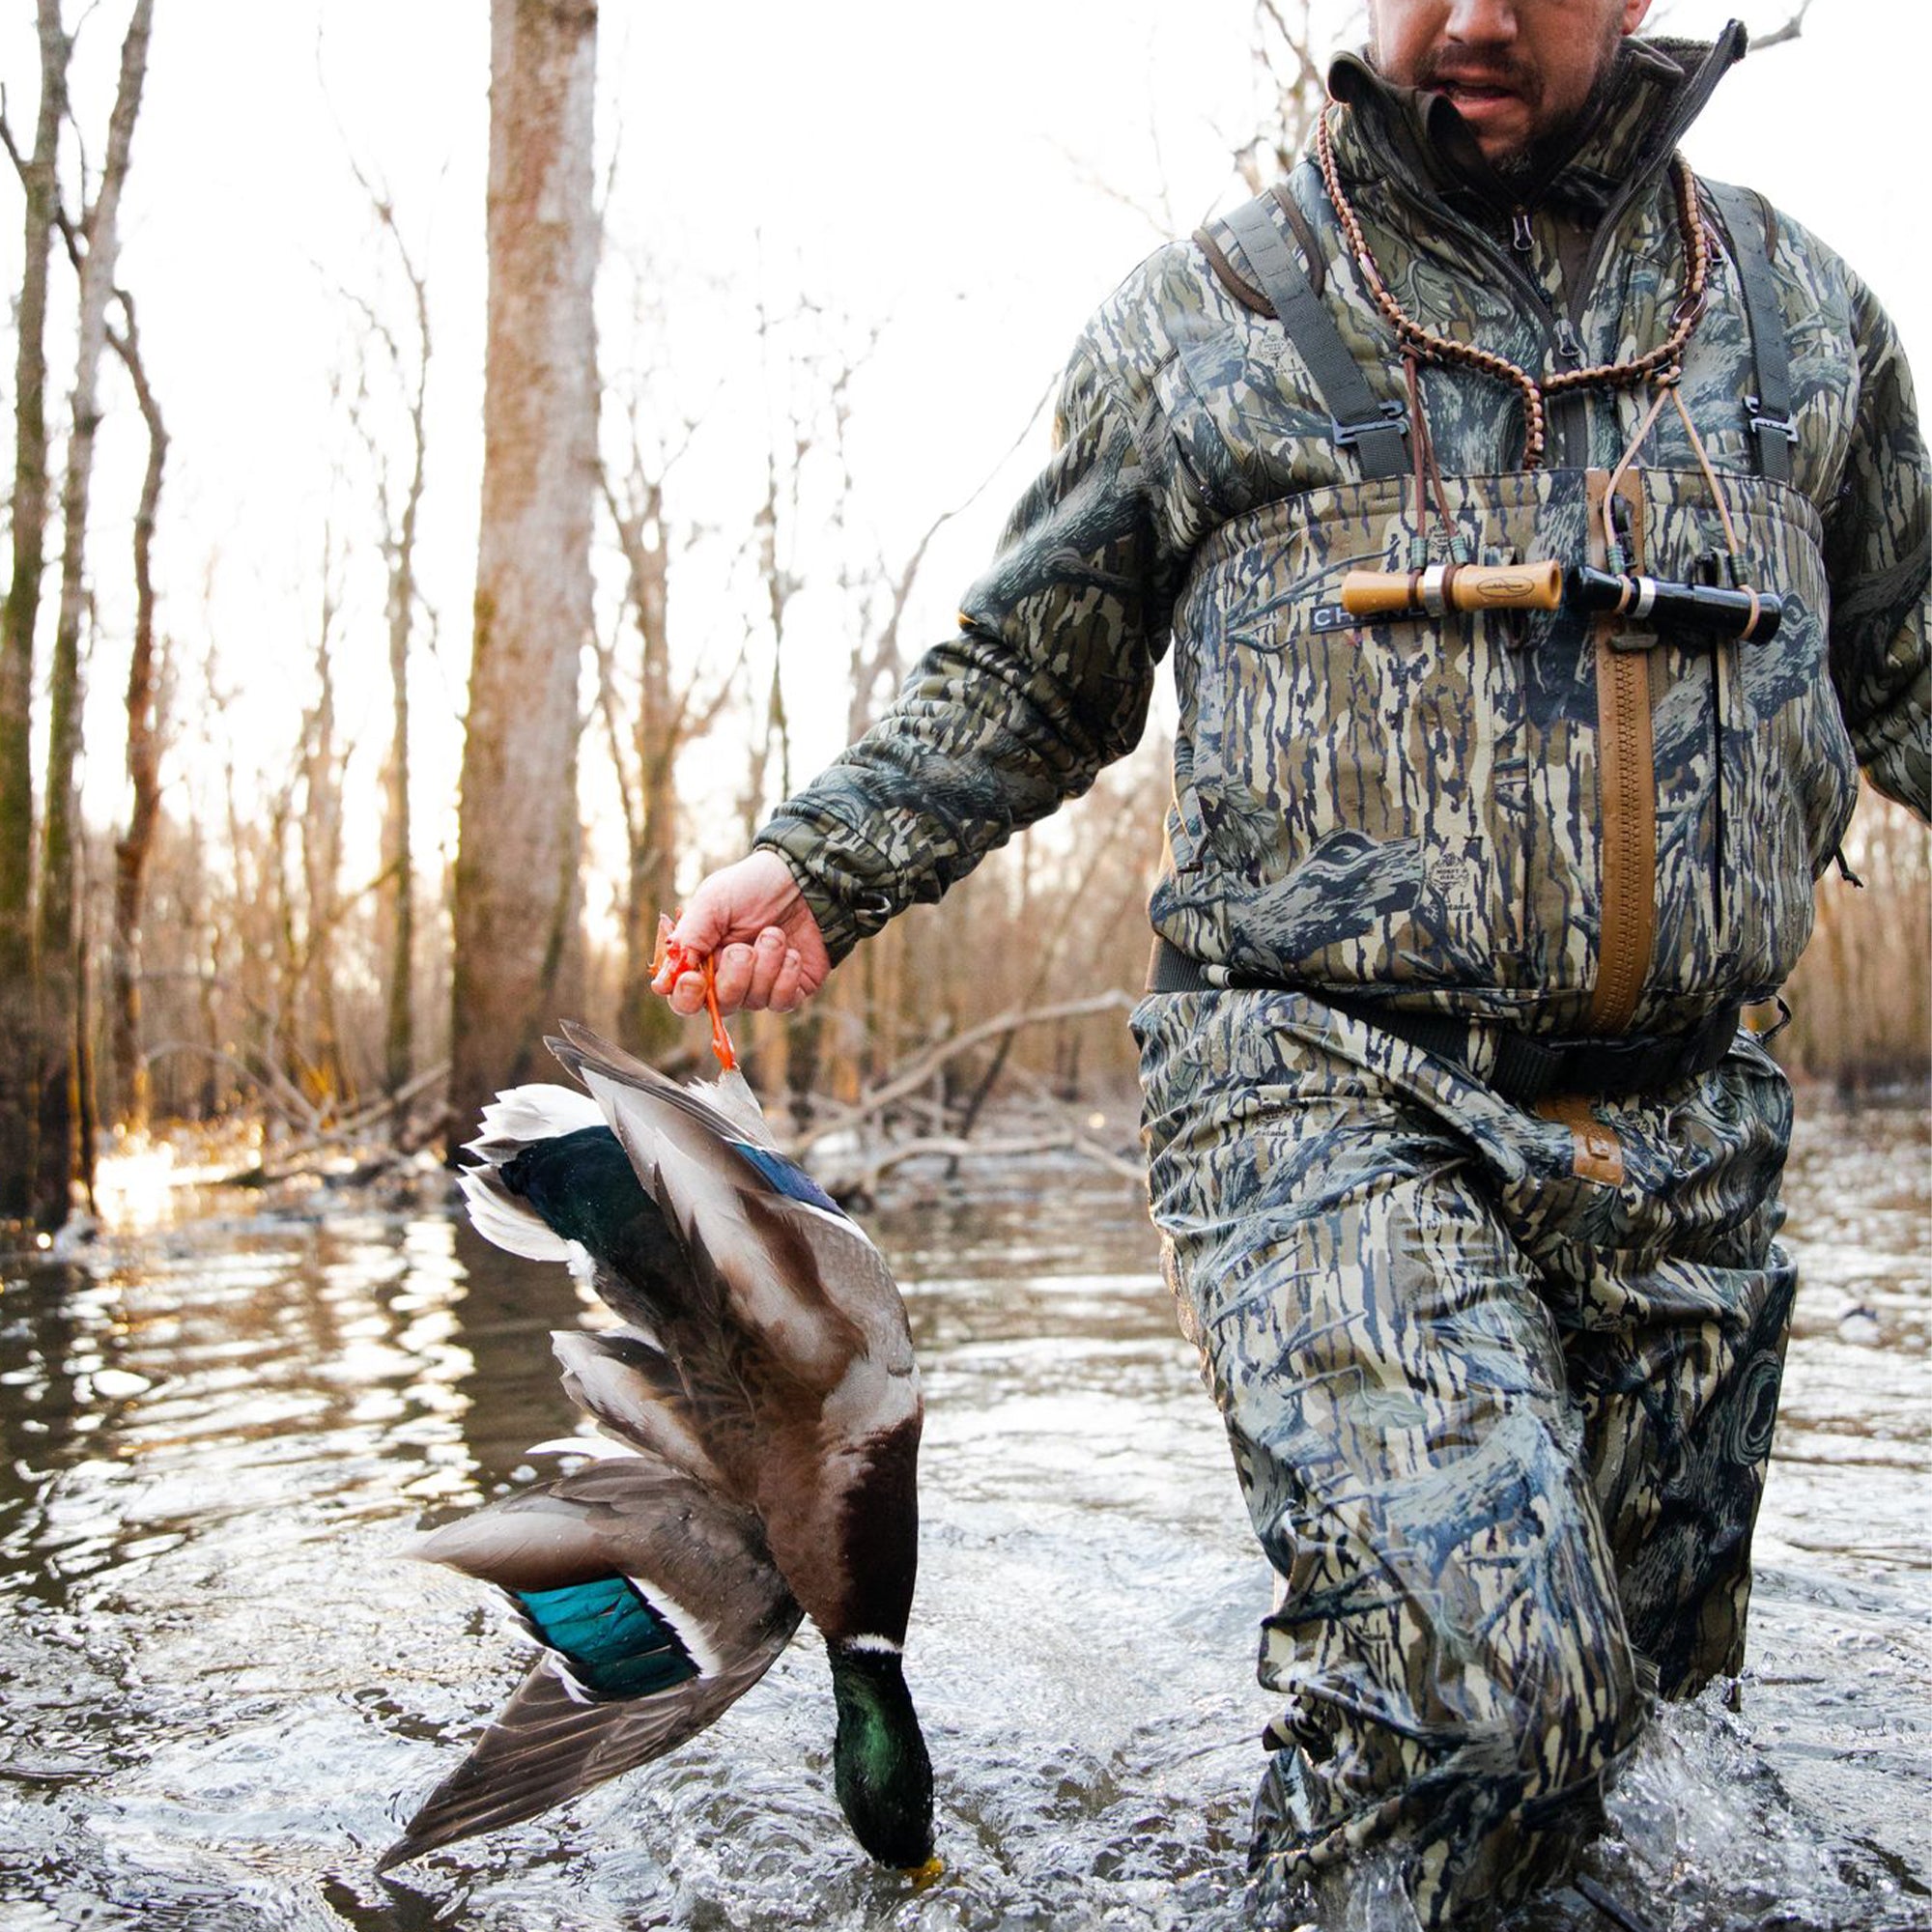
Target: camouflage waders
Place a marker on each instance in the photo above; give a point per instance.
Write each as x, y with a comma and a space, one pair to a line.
1501, 1430
1500, 1379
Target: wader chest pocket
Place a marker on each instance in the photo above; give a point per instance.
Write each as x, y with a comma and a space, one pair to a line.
1418, 801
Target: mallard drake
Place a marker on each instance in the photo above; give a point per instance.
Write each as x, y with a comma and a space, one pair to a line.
765, 1409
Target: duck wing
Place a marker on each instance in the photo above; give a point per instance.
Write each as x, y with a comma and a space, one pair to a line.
805, 1379
657, 1605
572, 1193
627, 1385
780, 1257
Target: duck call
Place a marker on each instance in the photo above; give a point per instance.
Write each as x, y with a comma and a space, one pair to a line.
1445, 587
1750, 616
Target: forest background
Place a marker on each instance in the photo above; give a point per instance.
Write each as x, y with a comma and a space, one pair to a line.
816, 273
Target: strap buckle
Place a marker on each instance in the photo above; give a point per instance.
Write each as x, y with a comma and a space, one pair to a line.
1758, 422
1388, 416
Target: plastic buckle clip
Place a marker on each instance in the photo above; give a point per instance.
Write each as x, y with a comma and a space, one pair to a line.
1758, 422
1389, 416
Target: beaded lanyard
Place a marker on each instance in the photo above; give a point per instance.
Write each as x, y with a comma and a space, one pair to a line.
1425, 344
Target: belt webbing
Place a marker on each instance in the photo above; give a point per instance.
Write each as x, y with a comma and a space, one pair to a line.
1768, 413
1528, 1069
1626, 792
1373, 430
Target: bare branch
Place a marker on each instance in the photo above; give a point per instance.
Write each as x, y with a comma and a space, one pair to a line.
923, 1067
1790, 31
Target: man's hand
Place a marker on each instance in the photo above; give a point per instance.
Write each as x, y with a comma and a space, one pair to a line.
753, 920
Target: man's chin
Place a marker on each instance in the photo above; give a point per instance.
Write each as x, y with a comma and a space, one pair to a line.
1501, 122
1517, 167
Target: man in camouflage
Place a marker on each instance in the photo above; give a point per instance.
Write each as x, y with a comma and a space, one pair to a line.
1496, 1321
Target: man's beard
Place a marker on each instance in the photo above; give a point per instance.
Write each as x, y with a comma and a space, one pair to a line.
1528, 167
1544, 152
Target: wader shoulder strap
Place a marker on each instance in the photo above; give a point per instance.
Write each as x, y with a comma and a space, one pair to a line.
1747, 222
1373, 430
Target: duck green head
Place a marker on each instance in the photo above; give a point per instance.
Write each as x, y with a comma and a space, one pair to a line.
880, 1768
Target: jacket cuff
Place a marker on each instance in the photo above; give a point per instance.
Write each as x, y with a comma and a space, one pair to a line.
841, 875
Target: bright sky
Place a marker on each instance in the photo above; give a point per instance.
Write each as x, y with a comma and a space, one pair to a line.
934, 171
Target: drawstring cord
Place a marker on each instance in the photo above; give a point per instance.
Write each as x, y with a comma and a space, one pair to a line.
1669, 389
1427, 477
1429, 346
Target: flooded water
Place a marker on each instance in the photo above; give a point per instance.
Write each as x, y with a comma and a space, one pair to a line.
223, 1687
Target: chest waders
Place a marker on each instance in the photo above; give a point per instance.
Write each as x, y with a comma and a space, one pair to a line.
1499, 1378
1595, 813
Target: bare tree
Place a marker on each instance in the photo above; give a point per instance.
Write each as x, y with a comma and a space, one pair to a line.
94, 240
399, 499
519, 836
146, 705
1289, 86
19, 1059
312, 1034
665, 714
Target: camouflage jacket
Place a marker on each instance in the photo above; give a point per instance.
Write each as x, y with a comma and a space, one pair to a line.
1416, 811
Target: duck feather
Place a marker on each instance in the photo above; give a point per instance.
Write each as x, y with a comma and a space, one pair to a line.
702, 1571
629, 1386
795, 1351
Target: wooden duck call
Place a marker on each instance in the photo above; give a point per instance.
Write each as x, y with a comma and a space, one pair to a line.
1445, 587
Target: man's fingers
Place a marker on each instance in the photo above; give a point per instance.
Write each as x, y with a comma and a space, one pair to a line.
750, 921
734, 977
768, 951
788, 995
686, 993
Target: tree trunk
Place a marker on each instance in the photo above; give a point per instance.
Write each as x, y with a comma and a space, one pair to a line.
145, 728
17, 1059
398, 901
315, 1057
399, 888
57, 1015
645, 1025
518, 833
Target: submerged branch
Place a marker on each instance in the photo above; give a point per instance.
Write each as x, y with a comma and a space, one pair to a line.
863, 1178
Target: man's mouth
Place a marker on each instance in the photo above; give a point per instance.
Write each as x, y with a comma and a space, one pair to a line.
1495, 106
1461, 88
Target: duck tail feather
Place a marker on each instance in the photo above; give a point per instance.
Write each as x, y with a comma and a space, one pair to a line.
580, 1042
538, 1111
509, 1222
726, 1106
731, 1096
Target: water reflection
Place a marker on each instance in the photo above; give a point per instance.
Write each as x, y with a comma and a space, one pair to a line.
223, 1683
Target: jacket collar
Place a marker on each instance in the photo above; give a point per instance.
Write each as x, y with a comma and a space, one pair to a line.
1658, 89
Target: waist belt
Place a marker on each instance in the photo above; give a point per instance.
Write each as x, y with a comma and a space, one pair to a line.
1528, 1067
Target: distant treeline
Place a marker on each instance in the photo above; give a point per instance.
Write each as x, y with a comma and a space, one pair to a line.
253, 1003
1861, 998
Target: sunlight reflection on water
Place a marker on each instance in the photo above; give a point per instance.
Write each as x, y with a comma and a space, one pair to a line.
224, 1684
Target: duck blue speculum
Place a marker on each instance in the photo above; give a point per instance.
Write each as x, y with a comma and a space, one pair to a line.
616, 1645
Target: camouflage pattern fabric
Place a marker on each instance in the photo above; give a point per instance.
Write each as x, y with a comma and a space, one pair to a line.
1502, 1432
1441, 831
1501, 1426
1185, 412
